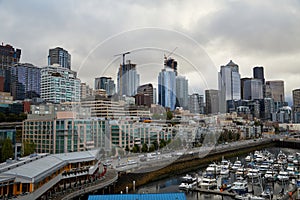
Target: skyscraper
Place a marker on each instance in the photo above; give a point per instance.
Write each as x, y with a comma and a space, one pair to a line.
258, 73
229, 84
59, 56
171, 63
196, 103
275, 90
252, 89
107, 84
59, 84
25, 80
8, 57
296, 97
296, 105
128, 79
167, 88
182, 91
212, 101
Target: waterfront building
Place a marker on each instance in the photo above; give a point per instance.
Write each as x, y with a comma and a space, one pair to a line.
182, 92
167, 88
128, 79
212, 101
40, 176
107, 84
196, 103
59, 84
63, 132
162, 196
229, 84
24, 80
252, 89
59, 56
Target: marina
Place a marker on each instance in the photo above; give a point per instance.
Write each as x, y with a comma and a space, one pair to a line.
267, 174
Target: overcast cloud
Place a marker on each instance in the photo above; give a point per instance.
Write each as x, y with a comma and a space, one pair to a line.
207, 34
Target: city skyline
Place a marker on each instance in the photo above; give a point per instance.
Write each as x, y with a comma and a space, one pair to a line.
202, 32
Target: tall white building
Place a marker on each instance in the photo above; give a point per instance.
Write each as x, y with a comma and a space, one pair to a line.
229, 84
59, 84
182, 91
128, 79
167, 88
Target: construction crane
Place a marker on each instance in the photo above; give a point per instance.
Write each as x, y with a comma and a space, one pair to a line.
123, 54
166, 57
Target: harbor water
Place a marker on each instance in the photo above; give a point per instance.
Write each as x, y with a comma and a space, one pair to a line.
255, 187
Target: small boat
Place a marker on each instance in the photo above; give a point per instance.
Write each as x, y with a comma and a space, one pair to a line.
224, 172
248, 197
248, 158
208, 183
187, 186
213, 169
188, 178
291, 170
267, 193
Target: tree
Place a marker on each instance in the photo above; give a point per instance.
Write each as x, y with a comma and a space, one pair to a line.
151, 148
155, 144
28, 147
135, 148
113, 151
144, 148
7, 149
169, 115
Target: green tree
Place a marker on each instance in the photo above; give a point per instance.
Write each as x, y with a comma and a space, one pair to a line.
155, 144
28, 147
113, 151
144, 148
151, 148
7, 149
136, 148
169, 115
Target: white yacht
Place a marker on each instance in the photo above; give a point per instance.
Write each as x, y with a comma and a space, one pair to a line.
208, 183
213, 169
237, 164
283, 176
291, 170
187, 186
253, 173
240, 187
224, 172
241, 171
271, 175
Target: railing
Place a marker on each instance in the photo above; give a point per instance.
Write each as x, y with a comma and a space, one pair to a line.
111, 177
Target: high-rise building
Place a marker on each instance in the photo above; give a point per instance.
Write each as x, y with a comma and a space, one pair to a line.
275, 90
59, 56
24, 81
296, 97
146, 89
85, 91
8, 57
196, 103
171, 63
167, 88
258, 73
212, 101
252, 89
296, 106
128, 79
59, 84
229, 84
182, 91
107, 84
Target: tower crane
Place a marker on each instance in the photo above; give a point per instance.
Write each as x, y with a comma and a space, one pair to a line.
166, 57
123, 54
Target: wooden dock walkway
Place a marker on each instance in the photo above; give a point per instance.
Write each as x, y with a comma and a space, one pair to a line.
216, 192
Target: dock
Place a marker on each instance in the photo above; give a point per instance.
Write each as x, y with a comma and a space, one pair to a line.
215, 192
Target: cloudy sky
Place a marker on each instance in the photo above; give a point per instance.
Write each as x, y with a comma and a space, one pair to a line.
204, 34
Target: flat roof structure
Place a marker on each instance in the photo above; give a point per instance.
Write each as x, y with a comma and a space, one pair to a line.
37, 170
162, 196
